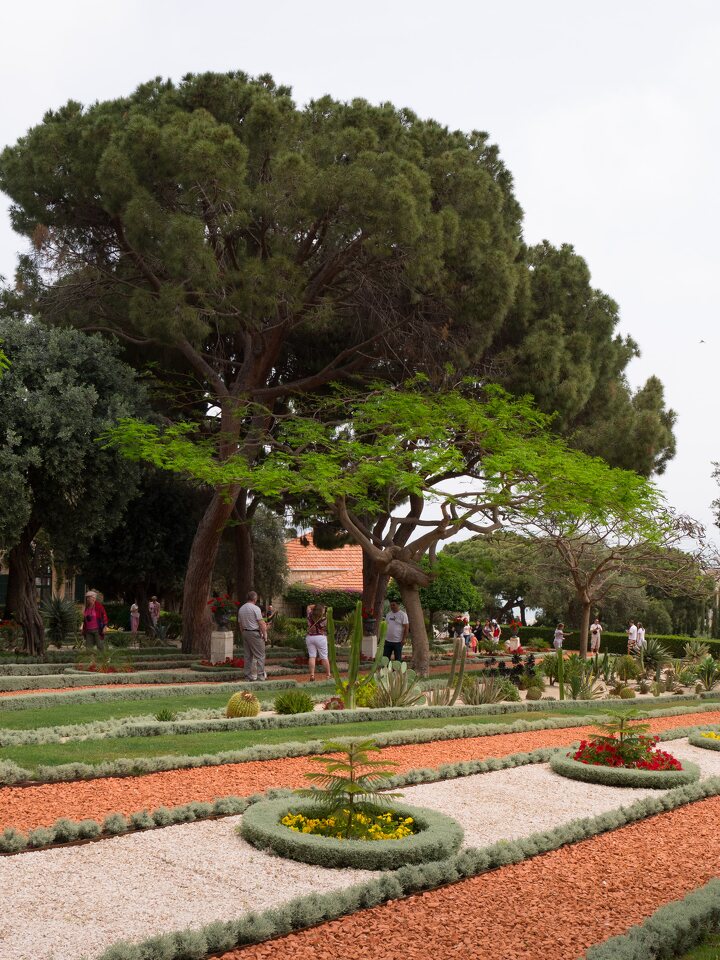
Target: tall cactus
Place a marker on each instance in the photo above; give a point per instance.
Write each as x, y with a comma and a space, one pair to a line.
455, 686
348, 689
561, 673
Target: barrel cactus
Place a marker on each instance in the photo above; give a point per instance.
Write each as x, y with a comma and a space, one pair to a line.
243, 704
534, 693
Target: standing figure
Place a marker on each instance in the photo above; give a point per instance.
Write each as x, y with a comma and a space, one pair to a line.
559, 636
95, 619
640, 642
632, 632
316, 640
397, 631
467, 632
595, 635
254, 636
496, 631
134, 618
154, 611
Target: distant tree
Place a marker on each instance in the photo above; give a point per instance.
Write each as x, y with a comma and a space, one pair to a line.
63, 389
450, 587
271, 567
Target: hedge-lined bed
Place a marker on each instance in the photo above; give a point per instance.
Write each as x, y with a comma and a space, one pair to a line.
438, 838
304, 912
706, 743
566, 766
616, 642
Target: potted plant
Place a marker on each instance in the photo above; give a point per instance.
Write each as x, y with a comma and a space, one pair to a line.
223, 609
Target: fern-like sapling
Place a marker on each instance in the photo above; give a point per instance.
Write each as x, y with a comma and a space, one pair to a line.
351, 782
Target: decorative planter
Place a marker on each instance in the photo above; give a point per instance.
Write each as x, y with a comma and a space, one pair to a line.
438, 837
370, 627
566, 766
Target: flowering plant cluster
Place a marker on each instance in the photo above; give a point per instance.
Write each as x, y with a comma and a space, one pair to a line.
334, 703
368, 613
223, 605
94, 667
235, 662
515, 625
378, 826
635, 753
710, 735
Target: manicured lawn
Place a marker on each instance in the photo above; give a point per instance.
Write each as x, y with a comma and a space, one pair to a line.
708, 950
95, 751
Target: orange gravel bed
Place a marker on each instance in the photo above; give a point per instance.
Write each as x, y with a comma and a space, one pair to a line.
36, 806
553, 906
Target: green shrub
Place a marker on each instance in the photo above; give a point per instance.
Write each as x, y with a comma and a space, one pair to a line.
534, 693
476, 691
341, 601
708, 672
62, 620
365, 696
118, 614
397, 686
166, 716
696, 650
626, 694
294, 701
243, 704
627, 667
509, 690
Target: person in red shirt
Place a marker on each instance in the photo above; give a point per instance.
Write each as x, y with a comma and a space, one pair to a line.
95, 620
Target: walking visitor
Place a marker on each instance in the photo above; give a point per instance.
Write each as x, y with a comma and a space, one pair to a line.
640, 642
95, 620
316, 640
134, 618
254, 636
595, 635
560, 635
397, 631
467, 632
632, 637
154, 611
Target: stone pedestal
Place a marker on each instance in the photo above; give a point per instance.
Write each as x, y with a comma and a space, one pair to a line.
221, 646
369, 645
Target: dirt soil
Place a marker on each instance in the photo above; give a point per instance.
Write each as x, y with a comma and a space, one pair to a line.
34, 806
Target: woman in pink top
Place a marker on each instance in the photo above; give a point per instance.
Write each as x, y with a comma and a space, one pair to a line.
95, 620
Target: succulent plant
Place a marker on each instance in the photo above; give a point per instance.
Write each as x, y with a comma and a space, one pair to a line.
294, 701
243, 704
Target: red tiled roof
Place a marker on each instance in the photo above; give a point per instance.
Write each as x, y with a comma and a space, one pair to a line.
339, 569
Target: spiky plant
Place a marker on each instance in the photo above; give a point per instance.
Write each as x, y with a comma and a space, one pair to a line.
397, 686
696, 650
62, 620
243, 704
708, 672
351, 782
488, 690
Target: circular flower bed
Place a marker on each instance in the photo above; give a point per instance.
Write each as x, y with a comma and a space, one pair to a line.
633, 762
435, 836
707, 739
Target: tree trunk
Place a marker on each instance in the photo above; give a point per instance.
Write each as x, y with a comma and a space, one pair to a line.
201, 563
371, 579
584, 626
410, 593
381, 591
244, 553
21, 600
523, 619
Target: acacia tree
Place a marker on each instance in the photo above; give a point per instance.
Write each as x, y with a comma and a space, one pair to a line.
623, 550
270, 249
409, 444
61, 392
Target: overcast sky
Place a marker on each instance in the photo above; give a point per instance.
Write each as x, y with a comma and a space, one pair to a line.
605, 112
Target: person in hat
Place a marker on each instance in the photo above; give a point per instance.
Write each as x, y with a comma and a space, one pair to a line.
134, 618
95, 620
154, 610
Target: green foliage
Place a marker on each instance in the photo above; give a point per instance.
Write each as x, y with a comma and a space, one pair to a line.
488, 690
342, 601
579, 682
294, 701
534, 693
549, 666
350, 783
447, 694
118, 614
451, 587
627, 693
627, 668
62, 620
397, 686
243, 704
365, 696
697, 650
349, 689
708, 672
655, 656
166, 716
270, 558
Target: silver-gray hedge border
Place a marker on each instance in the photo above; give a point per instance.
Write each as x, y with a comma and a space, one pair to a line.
318, 908
670, 932
704, 743
438, 838
14, 841
565, 766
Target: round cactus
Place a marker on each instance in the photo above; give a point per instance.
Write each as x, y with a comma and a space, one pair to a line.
534, 693
243, 704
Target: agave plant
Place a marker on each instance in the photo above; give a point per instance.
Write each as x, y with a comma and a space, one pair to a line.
397, 686
708, 672
445, 695
62, 620
655, 656
487, 690
696, 650
685, 673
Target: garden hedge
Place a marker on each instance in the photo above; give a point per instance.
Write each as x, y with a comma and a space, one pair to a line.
11, 772
67, 831
705, 743
622, 776
71, 656
438, 838
616, 642
38, 701
206, 721
671, 931
315, 908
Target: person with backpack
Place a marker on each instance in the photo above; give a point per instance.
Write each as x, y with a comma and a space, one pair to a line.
95, 620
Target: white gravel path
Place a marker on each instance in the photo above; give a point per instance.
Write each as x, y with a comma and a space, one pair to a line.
70, 902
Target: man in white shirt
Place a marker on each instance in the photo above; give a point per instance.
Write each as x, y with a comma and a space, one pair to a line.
632, 637
397, 631
595, 635
254, 635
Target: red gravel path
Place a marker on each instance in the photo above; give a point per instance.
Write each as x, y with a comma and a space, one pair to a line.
27, 807
554, 906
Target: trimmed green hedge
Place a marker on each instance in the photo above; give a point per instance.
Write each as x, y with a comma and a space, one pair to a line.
617, 642
315, 908
622, 776
439, 837
671, 931
71, 656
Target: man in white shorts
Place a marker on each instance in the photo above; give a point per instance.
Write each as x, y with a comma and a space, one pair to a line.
254, 635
